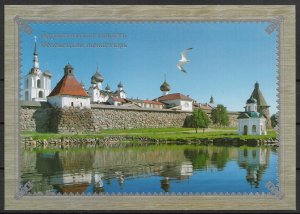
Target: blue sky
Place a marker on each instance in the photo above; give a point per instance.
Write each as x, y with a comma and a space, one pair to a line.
226, 61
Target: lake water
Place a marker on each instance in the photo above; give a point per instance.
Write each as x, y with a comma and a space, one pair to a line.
174, 168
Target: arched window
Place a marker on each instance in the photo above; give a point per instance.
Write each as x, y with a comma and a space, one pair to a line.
72, 104
245, 129
27, 83
38, 83
81, 104
41, 94
253, 128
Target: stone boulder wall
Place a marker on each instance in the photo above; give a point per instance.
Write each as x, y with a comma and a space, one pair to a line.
44, 118
35, 119
126, 119
72, 120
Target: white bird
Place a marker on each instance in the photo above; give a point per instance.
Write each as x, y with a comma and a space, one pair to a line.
183, 60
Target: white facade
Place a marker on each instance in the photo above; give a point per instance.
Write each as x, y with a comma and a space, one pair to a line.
252, 126
37, 87
62, 101
96, 95
122, 94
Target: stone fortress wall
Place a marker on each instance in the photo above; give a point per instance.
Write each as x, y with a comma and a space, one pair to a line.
41, 117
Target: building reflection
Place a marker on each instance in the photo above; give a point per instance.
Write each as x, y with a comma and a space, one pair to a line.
91, 170
255, 161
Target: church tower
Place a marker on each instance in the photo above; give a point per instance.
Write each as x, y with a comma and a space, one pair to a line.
96, 87
120, 91
262, 106
37, 85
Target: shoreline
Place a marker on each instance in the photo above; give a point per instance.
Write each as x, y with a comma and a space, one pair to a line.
119, 141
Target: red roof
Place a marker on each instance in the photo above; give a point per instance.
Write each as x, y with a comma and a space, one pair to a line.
153, 102
176, 96
68, 85
118, 99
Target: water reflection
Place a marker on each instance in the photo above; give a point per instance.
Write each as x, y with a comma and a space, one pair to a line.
145, 169
255, 161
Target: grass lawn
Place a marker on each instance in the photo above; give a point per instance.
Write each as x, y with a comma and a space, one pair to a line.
157, 133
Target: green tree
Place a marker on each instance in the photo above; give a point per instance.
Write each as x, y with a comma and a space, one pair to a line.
219, 116
274, 121
199, 119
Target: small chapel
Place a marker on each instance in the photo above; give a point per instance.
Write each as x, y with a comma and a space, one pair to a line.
253, 121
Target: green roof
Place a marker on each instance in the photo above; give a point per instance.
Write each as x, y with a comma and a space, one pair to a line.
249, 114
258, 96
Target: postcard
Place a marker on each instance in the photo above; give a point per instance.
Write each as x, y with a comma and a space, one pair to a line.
111, 109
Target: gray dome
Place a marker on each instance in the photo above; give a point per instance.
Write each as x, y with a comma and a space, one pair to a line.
165, 87
97, 77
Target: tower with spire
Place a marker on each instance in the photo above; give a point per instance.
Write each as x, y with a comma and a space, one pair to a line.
37, 85
262, 106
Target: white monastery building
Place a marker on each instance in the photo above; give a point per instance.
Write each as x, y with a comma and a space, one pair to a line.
251, 122
69, 92
175, 101
37, 85
101, 96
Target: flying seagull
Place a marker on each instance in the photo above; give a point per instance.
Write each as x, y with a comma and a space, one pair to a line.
183, 60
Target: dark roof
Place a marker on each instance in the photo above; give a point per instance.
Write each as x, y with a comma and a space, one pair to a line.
251, 100
258, 96
176, 96
165, 86
68, 85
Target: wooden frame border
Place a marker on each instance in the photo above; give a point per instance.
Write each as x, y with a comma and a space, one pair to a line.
287, 94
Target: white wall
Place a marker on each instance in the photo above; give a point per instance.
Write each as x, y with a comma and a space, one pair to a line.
66, 101
96, 95
260, 124
186, 105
